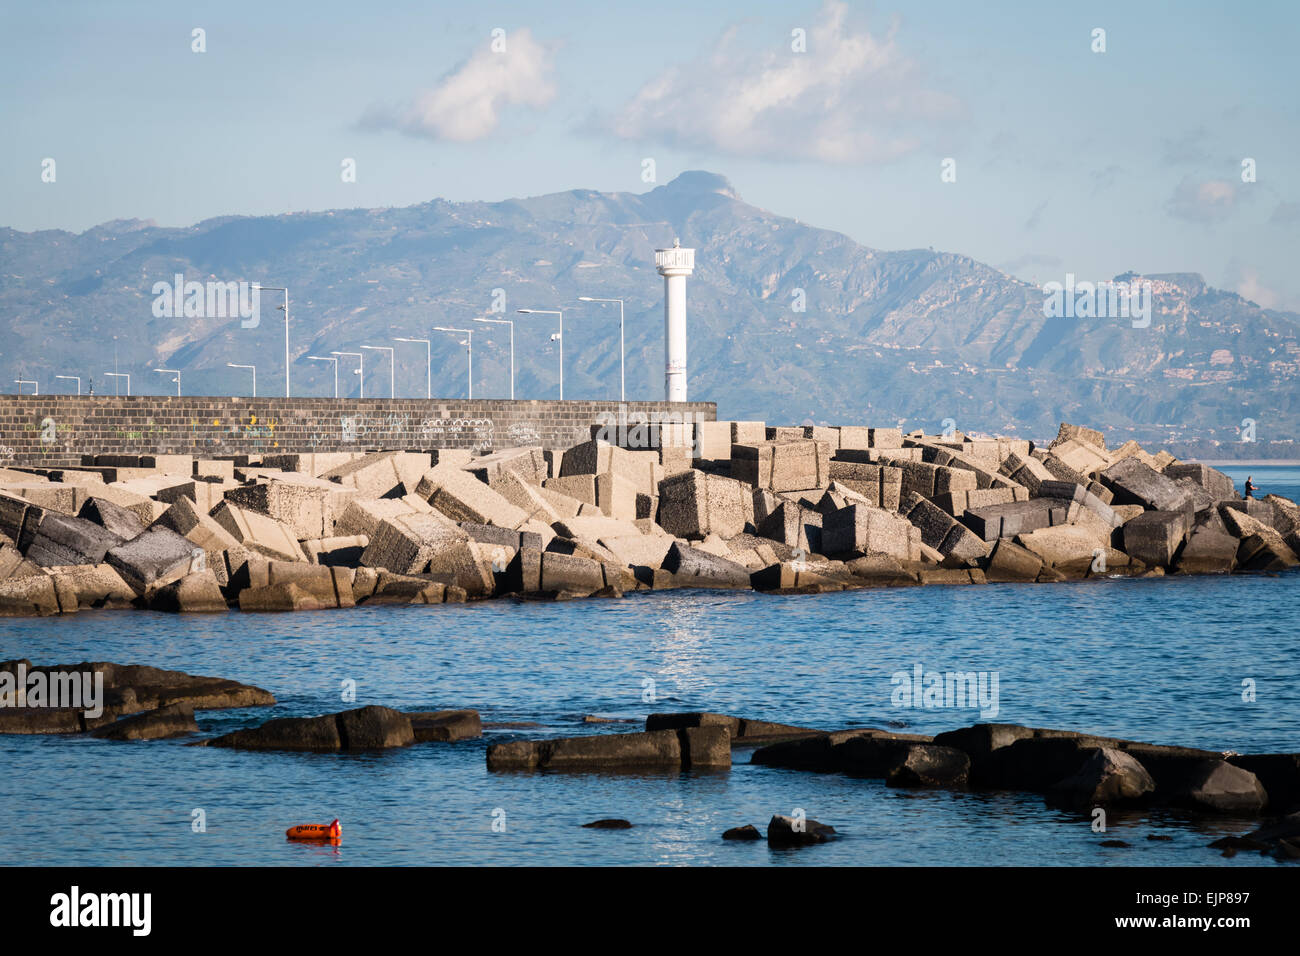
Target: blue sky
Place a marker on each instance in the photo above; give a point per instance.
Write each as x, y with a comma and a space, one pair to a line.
1067, 160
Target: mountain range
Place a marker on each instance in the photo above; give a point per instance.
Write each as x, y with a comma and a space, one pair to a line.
787, 322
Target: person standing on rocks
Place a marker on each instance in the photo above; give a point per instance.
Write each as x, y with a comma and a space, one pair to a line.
1250, 487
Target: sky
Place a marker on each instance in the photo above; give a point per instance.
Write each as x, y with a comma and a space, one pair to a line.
1014, 133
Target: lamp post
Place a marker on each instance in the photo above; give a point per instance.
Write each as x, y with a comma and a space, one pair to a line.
253, 368
512, 349
25, 381
284, 308
559, 337
469, 341
359, 372
72, 378
175, 372
392, 367
622, 376
125, 375
326, 358
428, 363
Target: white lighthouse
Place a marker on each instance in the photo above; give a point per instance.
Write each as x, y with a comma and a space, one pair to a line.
675, 265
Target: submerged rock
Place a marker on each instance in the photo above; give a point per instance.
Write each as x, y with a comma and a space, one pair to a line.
366, 728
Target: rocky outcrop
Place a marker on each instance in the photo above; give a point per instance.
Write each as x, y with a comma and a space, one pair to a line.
685, 749
365, 728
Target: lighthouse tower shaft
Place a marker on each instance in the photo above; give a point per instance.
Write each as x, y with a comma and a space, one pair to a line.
675, 265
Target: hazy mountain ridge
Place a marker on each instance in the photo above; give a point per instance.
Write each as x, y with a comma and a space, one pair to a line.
911, 336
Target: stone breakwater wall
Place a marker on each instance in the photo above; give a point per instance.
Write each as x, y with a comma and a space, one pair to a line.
57, 430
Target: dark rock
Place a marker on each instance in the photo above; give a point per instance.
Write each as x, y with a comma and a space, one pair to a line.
1108, 777
1215, 786
789, 831
445, 725
678, 749
740, 729
610, 824
174, 720
365, 728
1279, 774
747, 832
1115, 843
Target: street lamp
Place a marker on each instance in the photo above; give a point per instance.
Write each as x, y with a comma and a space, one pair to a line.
512, 350
392, 367
175, 372
428, 362
359, 372
326, 358
622, 377
469, 340
72, 378
285, 309
559, 337
253, 368
24, 381
125, 375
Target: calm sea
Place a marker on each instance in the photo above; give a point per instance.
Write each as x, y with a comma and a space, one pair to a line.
1159, 660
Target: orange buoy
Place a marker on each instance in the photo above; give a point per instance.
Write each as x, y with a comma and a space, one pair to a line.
316, 832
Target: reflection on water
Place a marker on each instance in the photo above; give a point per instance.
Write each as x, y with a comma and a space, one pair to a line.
1161, 660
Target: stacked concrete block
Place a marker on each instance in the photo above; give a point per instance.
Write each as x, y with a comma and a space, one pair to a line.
611, 493
405, 544
153, 559
1155, 536
200, 528
60, 539
783, 465
694, 504
528, 463
1219, 485
258, 533
940, 531
461, 497
112, 517
362, 515
310, 506
1133, 482
381, 474
866, 530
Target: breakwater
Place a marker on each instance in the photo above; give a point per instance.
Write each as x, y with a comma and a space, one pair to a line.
54, 430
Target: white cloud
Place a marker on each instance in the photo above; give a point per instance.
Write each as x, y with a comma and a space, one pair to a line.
1250, 287
853, 97
1212, 200
467, 103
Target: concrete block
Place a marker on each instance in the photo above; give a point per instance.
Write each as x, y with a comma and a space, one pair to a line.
790, 465
694, 504
865, 530
153, 559
405, 544
1133, 482
462, 497
258, 532
59, 539
381, 474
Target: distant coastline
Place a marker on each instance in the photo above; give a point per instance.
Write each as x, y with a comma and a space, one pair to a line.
1246, 462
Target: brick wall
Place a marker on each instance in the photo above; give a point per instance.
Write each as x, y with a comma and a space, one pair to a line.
56, 430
